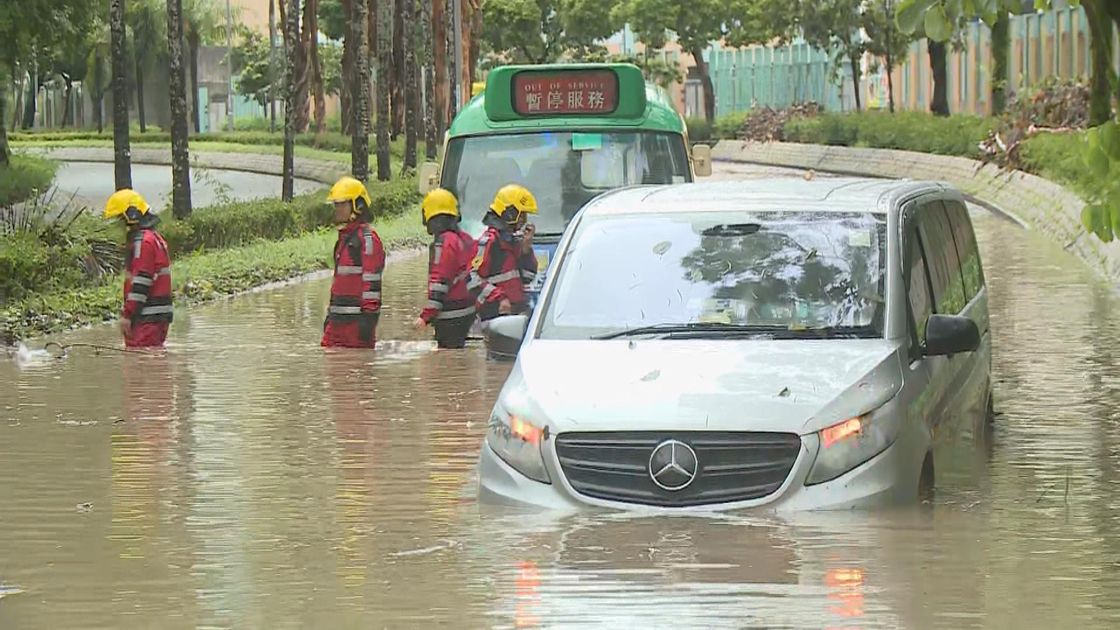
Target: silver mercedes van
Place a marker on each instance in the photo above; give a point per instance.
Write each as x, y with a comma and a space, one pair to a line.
781, 344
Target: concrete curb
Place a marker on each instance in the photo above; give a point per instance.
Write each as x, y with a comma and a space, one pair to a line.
322, 171
1035, 202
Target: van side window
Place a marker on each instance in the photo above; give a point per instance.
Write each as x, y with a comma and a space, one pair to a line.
967, 250
941, 256
917, 287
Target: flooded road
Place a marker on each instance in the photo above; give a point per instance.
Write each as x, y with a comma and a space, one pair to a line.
249, 479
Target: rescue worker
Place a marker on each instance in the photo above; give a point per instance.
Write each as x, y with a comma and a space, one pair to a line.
146, 315
359, 260
452, 288
507, 263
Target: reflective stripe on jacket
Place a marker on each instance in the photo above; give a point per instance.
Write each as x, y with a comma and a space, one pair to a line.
451, 285
147, 283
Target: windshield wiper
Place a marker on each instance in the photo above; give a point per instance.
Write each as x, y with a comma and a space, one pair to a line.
698, 327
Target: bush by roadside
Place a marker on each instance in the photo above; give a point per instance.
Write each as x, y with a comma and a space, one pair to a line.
197, 278
23, 177
912, 131
238, 223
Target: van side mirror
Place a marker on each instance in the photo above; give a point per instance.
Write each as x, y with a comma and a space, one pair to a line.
951, 334
504, 336
702, 160
428, 177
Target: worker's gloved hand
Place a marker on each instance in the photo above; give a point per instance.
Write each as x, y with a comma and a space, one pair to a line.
504, 307
126, 328
419, 324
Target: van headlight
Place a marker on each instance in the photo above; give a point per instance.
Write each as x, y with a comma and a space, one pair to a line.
847, 444
517, 441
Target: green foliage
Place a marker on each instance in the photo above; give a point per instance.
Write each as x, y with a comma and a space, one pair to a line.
233, 224
544, 31
911, 131
940, 18
699, 130
24, 177
727, 126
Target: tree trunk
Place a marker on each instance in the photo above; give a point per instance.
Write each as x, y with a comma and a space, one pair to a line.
18, 96
384, 65
1001, 48
397, 78
303, 73
194, 41
177, 88
345, 93
853, 59
939, 68
358, 37
706, 82
122, 161
1100, 44
890, 82
474, 44
98, 96
31, 98
429, 84
291, 50
312, 27
411, 89
452, 66
272, 65
5, 151
439, 62
140, 112
68, 97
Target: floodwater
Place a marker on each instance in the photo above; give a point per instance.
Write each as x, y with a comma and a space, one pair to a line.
249, 479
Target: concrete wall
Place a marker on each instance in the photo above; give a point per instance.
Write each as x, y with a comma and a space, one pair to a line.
1035, 202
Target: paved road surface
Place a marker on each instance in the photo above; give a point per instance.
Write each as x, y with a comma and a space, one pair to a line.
92, 182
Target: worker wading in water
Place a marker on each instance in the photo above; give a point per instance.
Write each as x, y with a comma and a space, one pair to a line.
359, 260
146, 315
507, 263
452, 288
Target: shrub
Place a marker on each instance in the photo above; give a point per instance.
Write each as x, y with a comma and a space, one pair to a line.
728, 126
699, 130
911, 131
241, 222
23, 177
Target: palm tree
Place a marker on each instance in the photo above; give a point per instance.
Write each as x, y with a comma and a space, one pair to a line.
122, 163
358, 37
202, 21
314, 67
291, 44
411, 88
144, 20
384, 68
429, 82
180, 153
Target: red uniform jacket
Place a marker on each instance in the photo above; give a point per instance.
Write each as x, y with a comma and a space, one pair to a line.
147, 282
356, 290
503, 272
451, 285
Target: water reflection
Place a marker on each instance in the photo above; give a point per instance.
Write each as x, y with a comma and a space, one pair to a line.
247, 478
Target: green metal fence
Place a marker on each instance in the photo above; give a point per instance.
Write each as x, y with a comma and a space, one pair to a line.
1050, 44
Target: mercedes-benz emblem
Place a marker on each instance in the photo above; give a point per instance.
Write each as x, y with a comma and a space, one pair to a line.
673, 465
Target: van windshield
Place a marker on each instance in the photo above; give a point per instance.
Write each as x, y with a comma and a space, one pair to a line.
563, 170
789, 274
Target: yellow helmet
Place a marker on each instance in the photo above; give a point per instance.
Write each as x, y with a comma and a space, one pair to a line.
514, 196
439, 201
128, 203
349, 189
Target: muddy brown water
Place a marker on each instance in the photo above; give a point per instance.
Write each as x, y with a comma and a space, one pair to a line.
249, 479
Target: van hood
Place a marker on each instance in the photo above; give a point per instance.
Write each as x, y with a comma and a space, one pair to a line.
797, 386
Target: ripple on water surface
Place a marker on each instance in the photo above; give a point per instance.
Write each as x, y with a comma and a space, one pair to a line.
248, 478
